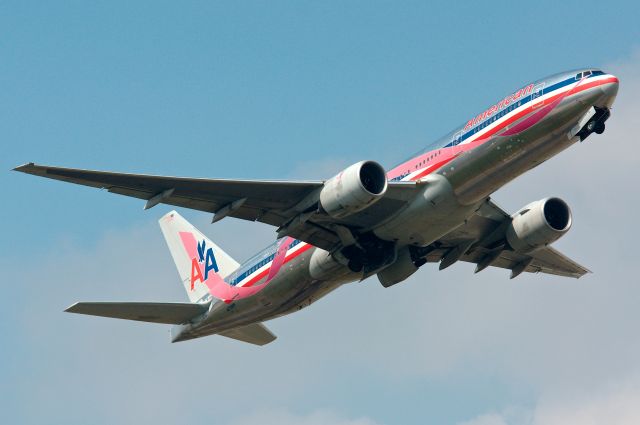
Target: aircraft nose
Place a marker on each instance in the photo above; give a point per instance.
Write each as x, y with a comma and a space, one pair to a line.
610, 88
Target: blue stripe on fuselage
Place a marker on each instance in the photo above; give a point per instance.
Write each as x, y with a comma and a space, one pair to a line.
510, 108
248, 269
447, 140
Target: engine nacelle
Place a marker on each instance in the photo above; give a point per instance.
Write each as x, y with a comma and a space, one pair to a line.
322, 265
354, 189
538, 224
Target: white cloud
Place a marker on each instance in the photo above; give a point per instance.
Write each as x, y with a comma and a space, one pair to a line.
607, 405
487, 419
284, 417
120, 371
618, 407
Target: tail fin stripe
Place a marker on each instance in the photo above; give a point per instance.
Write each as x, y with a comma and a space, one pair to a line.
195, 262
218, 288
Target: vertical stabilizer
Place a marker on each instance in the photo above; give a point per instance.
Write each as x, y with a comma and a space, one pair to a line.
207, 258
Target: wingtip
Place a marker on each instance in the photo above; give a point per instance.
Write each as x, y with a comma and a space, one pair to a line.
71, 308
24, 167
269, 342
586, 272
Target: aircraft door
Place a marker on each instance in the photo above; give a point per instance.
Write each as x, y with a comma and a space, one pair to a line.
456, 139
538, 91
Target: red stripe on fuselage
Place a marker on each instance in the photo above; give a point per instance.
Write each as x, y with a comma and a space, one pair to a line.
520, 114
467, 146
265, 272
430, 170
536, 105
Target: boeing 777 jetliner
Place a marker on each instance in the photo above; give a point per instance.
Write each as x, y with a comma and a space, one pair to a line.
365, 221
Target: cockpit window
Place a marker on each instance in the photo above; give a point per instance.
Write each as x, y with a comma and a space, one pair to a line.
586, 74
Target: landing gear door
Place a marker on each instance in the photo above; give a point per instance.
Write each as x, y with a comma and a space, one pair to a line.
536, 96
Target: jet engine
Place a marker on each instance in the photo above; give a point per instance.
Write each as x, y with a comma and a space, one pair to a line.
322, 265
354, 189
538, 224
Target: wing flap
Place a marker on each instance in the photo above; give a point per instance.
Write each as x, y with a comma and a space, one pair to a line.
168, 313
256, 333
552, 261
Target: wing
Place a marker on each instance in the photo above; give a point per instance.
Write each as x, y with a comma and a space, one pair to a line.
482, 242
279, 203
169, 313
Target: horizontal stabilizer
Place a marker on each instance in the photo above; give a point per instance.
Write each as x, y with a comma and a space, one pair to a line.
256, 333
169, 313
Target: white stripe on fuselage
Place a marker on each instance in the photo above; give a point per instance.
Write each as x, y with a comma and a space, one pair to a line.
471, 139
267, 266
532, 103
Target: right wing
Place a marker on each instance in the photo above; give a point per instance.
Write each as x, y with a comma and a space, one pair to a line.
482, 237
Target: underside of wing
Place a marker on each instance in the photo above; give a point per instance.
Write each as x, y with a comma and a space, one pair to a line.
546, 260
482, 239
261, 199
291, 206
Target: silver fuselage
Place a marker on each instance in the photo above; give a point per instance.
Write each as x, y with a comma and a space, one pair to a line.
460, 171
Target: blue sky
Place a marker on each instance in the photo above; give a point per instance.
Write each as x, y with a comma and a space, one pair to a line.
257, 89
300, 90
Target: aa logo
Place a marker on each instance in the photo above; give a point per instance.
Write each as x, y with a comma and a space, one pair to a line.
206, 258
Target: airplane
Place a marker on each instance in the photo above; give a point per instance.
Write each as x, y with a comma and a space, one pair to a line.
435, 207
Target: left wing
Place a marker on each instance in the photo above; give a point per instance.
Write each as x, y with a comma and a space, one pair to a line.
481, 241
278, 203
